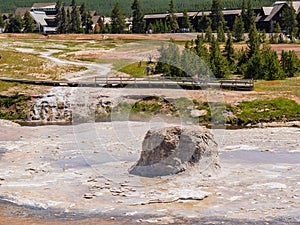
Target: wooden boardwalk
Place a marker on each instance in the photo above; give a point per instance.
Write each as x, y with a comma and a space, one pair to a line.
171, 82
146, 82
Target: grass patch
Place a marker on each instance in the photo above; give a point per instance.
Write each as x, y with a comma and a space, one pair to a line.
274, 110
14, 64
135, 69
290, 85
6, 86
14, 107
153, 106
248, 112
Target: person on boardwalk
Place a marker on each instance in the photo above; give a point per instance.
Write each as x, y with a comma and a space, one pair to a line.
152, 70
148, 69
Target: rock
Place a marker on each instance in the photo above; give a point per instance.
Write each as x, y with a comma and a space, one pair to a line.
88, 196
198, 113
172, 150
60, 105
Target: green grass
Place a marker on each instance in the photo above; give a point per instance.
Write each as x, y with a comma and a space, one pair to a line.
14, 107
247, 112
134, 69
288, 85
273, 110
5, 86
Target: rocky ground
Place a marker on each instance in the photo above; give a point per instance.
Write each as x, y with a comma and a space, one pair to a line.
82, 170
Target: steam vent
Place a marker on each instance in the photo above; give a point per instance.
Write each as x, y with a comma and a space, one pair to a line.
172, 150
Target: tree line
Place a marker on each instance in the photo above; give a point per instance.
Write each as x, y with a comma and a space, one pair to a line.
155, 6
208, 59
78, 19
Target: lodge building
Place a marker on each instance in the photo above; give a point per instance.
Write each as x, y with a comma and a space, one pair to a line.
266, 17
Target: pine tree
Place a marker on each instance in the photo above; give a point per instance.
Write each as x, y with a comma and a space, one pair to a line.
15, 24
229, 50
274, 39
201, 50
218, 64
278, 29
82, 11
208, 34
151, 28
220, 34
244, 12
289, 63
86, 19
203, 23
157, 27
117, 20
28, 23
63, 22
2, 23
75, 23
161, 26
238, 29
83, 15
166, 27
263, 36
107, 28
88, 23
58, 16
138, 22
217, 15
254, 67
289, 20
271, 66
250, 16
68, 21
172, 19
186, 23
188, 64
174, 59
254, 41
169, 61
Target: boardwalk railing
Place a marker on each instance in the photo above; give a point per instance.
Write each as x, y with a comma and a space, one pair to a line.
146, 82
184, 82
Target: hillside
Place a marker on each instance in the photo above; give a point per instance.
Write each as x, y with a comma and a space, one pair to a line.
153, 6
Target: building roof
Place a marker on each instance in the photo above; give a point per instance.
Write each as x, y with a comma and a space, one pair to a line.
296, 4
93, 13
41, 18
21, 11
43, 5
192, 14
274, 11
95, 19
267, 10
